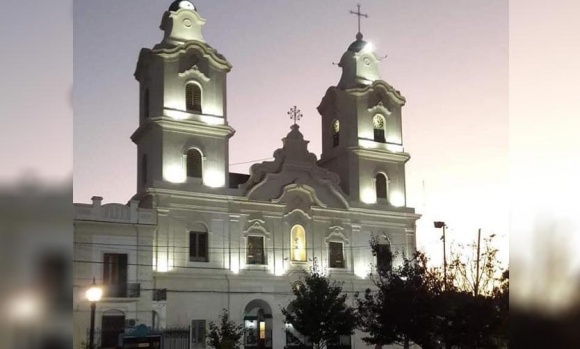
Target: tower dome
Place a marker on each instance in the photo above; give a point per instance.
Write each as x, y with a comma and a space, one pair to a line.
181, 4
358, 45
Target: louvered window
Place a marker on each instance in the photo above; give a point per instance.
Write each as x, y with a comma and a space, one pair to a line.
381, 186
194, 163
144, 169
193, 97
146, 103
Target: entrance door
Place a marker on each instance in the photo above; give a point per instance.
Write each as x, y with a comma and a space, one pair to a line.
258, 325
111, 327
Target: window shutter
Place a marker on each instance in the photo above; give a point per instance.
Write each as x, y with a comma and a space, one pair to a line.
194, 163
193, 97
192, 246
381, 186
335, 255
202, 245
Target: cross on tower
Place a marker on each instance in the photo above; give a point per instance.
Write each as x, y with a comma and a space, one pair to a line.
359, 15
295, 114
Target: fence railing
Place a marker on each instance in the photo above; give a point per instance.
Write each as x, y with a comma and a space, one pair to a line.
127, 290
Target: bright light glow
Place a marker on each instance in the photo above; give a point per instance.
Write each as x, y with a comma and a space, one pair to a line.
175, 173
162, 264
397, 199
24, 307
361, 270
235, 265
365, 143
368, 196
94, 293
214, 178
280, 270
369, 47
176, 114
212, 120
395, 148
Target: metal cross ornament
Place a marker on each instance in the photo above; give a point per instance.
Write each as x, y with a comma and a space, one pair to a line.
295, 114
359, 15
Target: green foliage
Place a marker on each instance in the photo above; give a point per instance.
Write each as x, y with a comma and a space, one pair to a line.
403, 309
226, 335
415, 304
319, 310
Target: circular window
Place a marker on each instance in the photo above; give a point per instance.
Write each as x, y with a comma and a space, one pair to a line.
367, 61
187, 22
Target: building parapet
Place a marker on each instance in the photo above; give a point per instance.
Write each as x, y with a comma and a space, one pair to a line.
114, 212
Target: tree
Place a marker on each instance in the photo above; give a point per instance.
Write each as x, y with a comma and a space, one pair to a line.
476, 271
476, 300
404, 307
226, 335
319, 310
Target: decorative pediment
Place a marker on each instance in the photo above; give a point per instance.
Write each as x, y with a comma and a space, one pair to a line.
194, 72
294, 169
336, 233
379, 108
298, 196
256, 225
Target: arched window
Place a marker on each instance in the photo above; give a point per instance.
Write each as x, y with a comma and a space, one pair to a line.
194, 163
381, 185
144, 169
335, 133
193, 97
298, 244
384, 257
379, 128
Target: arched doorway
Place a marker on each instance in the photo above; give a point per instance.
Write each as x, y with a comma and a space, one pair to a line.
258, 325
112, 325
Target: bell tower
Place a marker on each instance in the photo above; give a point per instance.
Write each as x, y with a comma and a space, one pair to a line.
362, 132
183, 133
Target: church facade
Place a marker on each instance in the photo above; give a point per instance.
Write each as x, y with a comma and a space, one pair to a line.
196, 238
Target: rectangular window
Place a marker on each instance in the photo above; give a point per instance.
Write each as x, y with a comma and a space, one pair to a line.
198, 334
255, 250
384, 257
198, 246
335, 139
115, 274
335, 255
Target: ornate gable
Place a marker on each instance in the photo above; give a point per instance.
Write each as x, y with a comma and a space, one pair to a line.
294, 175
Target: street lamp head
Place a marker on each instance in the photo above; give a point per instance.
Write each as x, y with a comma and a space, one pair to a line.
439, 224
94, 293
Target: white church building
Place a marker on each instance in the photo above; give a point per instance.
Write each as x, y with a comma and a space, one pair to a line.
196, 238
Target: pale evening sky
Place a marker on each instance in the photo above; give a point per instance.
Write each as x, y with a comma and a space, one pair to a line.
448, 58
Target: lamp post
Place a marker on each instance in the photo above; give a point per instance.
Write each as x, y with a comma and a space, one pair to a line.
93, 294
442, 225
